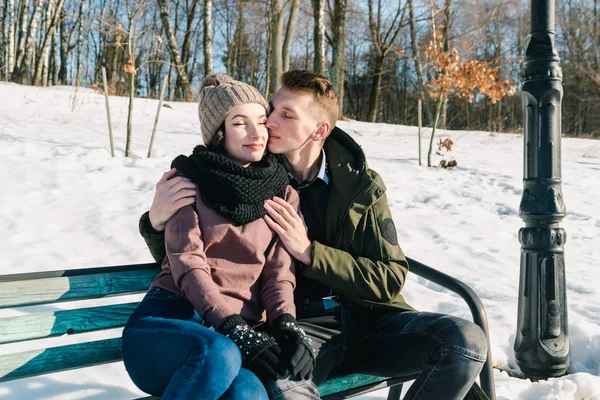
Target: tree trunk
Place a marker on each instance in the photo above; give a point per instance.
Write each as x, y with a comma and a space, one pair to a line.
276, 65
24, 71
438, 110
376, 89
268, 58
338, 50
64, 50
54, 11
131, 44
382, 42
3, 55
417, 58
446, 47
23, 25
175, 57
80, 44
55, 57
188, 36
43, 59
11, 38
289, 34
319, 36
207, 39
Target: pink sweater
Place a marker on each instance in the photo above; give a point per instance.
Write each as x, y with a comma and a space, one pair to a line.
224, 269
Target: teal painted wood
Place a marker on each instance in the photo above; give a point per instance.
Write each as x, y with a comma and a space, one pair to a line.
37, 362
346, 382
48, 290
42, 325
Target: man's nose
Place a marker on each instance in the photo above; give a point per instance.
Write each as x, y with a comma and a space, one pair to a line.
271, 120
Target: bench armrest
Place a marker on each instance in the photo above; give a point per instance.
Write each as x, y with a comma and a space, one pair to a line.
477, 311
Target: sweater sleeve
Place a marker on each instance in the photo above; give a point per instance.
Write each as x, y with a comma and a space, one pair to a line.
278, 279
155, 240
189, 267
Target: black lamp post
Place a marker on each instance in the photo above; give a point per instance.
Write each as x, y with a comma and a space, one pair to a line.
542, 342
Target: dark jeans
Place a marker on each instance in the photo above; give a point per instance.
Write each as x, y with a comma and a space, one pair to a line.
168, 353
444, 354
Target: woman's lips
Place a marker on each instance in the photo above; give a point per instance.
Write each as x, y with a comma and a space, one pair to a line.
255, 146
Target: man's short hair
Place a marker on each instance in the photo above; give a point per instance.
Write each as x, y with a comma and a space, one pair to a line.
302, 81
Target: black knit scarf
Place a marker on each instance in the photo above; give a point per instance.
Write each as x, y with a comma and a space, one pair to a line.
233, 191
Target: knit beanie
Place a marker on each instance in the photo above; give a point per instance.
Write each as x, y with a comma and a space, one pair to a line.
218, 95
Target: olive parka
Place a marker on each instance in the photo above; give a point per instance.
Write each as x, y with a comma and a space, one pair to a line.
361, 259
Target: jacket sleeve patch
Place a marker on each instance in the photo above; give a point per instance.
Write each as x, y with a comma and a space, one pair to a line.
388, 231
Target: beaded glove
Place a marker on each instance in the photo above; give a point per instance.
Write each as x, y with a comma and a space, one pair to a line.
260, 352
298, 353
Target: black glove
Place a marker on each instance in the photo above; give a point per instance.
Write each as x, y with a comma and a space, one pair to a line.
260, 352
295, 345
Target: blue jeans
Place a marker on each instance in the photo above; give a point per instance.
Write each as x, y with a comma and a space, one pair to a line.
443, 353
168, 353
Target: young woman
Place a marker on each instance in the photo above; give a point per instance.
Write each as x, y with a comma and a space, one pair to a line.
225, 268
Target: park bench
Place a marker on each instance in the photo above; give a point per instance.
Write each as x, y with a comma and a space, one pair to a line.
21, 291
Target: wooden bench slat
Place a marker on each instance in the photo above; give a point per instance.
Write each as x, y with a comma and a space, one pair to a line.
48, 290
37, 362
50, 324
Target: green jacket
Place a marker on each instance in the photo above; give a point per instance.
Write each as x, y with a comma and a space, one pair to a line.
361, 259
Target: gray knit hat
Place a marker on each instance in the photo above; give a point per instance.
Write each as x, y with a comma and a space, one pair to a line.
218, 95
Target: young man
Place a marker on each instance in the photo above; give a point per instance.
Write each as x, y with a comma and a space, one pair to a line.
352, 270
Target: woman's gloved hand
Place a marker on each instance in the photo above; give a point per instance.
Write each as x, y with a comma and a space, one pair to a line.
260, 352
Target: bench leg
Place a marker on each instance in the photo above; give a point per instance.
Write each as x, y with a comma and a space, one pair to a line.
395, 392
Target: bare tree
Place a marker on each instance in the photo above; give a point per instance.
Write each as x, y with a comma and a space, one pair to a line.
276, 63
79, 53
207, 38
190, 14
22, 71
22, 23
133, 13
182, 77
53, 13
382, 44
10, 48
318, 7
417, 60
289, 34
338, 26
3, 55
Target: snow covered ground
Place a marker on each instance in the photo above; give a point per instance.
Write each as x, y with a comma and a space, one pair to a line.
65, 203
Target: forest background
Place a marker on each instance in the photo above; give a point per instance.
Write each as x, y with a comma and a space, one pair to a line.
375, 51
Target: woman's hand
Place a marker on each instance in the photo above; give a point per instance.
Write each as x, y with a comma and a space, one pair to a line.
172, 193
286, 222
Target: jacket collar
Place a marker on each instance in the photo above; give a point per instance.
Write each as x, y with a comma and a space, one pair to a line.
353, 190
347, 163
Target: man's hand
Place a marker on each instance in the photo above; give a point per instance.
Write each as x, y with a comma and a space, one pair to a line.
286, 222
172, 193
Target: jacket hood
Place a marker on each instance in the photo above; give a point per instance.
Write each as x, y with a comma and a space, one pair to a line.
347, 162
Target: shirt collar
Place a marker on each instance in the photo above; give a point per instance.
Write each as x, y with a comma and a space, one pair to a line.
324, 170
323, 174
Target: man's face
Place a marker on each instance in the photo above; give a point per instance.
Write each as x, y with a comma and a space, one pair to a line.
291, 123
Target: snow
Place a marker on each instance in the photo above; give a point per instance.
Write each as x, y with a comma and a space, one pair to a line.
67, 204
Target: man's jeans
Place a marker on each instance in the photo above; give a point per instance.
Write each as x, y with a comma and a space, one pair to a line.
169, 354
444, 354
